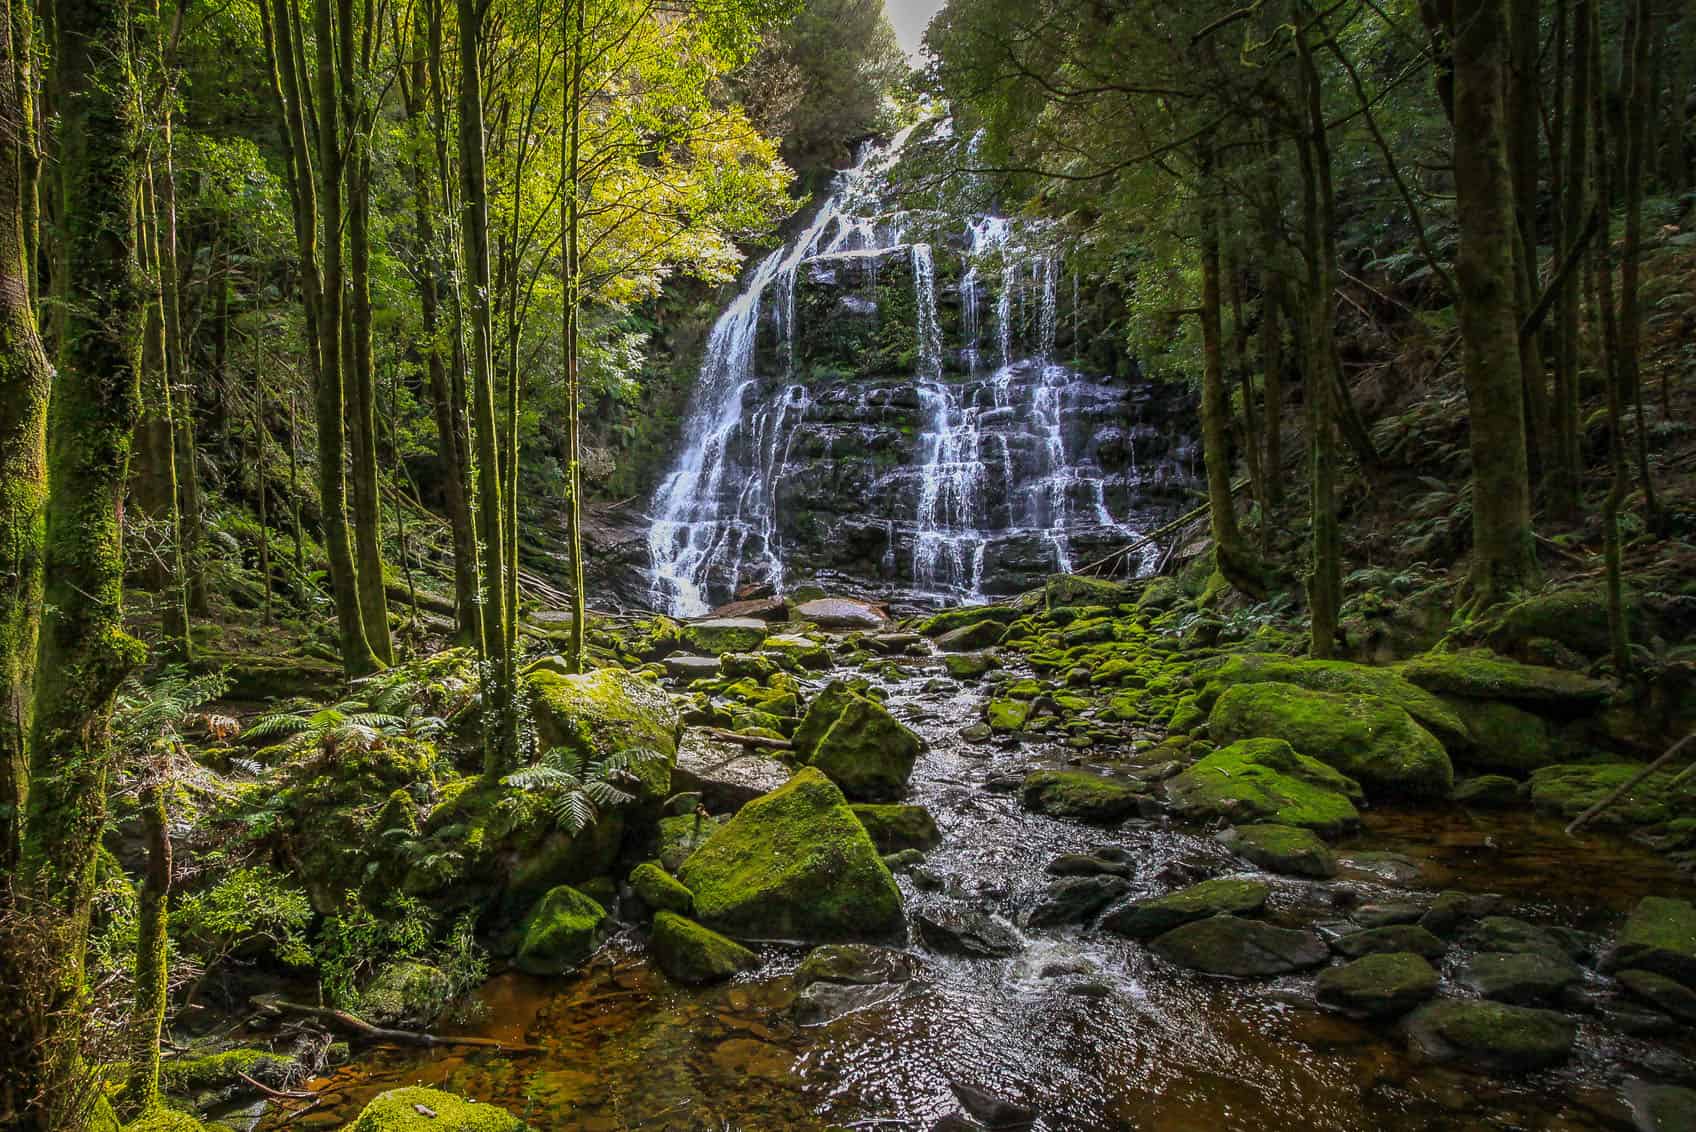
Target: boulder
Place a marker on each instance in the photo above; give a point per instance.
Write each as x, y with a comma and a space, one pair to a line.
1371, 740
727, 776
695, 955
1265, 780
1661, 1108
1081, 589
417, 1109
1145, 919
1006, 715
405, 992
839, 613
598, 713
968, 932
561, 931
1567, 790
799, 651
971, 638
821, 716
659, 891
1285, 849
1667, 995
1522, 978
763, 608
1504, 737
681, 835
895, 827
1482, 675
1081, 795
1230, 945
680, 666
1387, 939
1108, 860
717, 635
855, 964
969, 665
794, 864
1487, 792
867, 751
1491, 1036
1658, 936
939, 623
1075, 900
1377, 986
1512, 935
1453, 910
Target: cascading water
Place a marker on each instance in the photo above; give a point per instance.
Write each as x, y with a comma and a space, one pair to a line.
886, 401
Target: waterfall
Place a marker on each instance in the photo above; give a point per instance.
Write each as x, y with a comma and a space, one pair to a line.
883, 400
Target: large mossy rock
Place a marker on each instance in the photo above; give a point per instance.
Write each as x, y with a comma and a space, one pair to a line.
1482, 675
1265, 780
1080, 589
418, 1109
1377, 986
1369, 739
1576, 618
1145, 919
405, 992
1339, 676
1505, 738
794, 864
1492, 1036
1081, 795
867, 751
1522, 978
659, 891
1285, 849
950, 619
1569, 789
562, 931
1658, 936
695, 955
718, 635
827, 707
896, 827
597, 713
971, 638
1230, 945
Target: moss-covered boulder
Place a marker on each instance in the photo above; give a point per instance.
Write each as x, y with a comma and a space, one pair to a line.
1487, 792
597, 713
1369, 739
1492, 1036
1576, 618
794, 864
855, 964
1081, 589
659, 891
971, 638
950, 619
677, 837
214, 1072
867, 751
1145, 919
1377, 986
1666, 995
562, 931
164, 1120
1339, 676
1265, 780
1482, 675
1230, 945
1388, 939
417, 1109
827, 707
1081, 795
896, 827
1005, 715
1523, 978
1285, 849
718, 635
405, 992
1505, 738
799, 651
1568, 789
1658, 936
969, 665
693, 954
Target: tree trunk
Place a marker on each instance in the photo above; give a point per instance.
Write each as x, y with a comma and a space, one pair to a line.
1502, 553
1564, 463
573, 352
1635, 85
155, 486
1523, 130
152, 988
85, 653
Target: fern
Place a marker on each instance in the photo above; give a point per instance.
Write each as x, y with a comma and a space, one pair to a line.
575, 789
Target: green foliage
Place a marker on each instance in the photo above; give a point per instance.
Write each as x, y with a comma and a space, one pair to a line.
247, 908
576, 787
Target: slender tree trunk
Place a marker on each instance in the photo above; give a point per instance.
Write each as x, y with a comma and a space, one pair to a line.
147, 1020
1565, 466
155, 488
1502, 555
84, 652
569, 201
25, 375
1635, 85
1523, 130
263, 485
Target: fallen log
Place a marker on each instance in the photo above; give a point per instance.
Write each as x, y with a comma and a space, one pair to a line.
759, 742
365, 1029
1625, 787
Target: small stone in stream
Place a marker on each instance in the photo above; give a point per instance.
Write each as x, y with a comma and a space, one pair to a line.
1073, 900
1487, 791
968, 665
1658, 936
1377, 986
1395, 937
1661, 1108
1522, 978
1384, 915
889, 644
1080, 795
1636, 1019
1230, 945
903, 860
1507, 933
964, 931
1059, 969
1281, 849
971, 638
691, 667
1090, 988
1491, 1036
926, 880
1144, 919
1005, 784
997, 1112
1087, 864
1453, 910
858, 964
1392, 868
976, 732
1661, 992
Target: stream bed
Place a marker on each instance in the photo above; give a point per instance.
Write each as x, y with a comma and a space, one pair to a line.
1089, 1030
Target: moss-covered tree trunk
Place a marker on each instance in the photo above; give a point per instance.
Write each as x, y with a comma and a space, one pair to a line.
1564, 466
570, 188
84, 652
1524, 131
1636, 88
1502, 553
147, 1019
24, 378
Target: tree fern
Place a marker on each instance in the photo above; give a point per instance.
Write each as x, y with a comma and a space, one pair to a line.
575, 789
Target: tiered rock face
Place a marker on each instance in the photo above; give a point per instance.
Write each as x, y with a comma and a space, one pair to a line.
889, 400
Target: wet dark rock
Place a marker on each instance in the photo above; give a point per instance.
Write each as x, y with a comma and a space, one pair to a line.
976, 732
1230, 945
1075, 899
968, 665
1383, 865
965, 931
1657, 990
1658, 936
1090, 988
895, 827
682, 667
1636, 1019
891, 644
1386, 915
1081, 795
725, 775
1391, 938
1105, 861
824, 1002
1281, 849
1377, 986
1661, 1108
1510, 934
1145, 919
1522, 978
1491, 1036
1487, 791
971, 638
903, 860
926, 880
857, 964
1452, 911
994, 1111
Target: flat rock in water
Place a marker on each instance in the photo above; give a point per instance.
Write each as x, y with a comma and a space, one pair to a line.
1390, 938
683, 667
717, 635
965, 931
1522, 978
1385, 915
1511, 934
855, 964
1491, 1036
995, 1111
1109, 860
1284, 849
1230, 945
1668, 995
1082, 795
839, 613
1074, 900
1377, 986
1144, 919
1658, 936
727, 776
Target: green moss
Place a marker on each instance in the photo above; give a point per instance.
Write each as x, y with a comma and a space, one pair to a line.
1492, 1035
1370, 740
968, 665
1659, 936
405, 991
404, 1110
1081, 795
1577, 618
561, 932
799, 651
1482, 675
1567, 790
950, 619
1080, 589
164, 1120
608, 710
1004, 715
682, 835
867, 752
725, 634
1378, 986
821, 716
1282, 849
794, 864
1504, 737
1266, 780
693, 954
659, 891
1145, 919
1187, 716
897, 827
